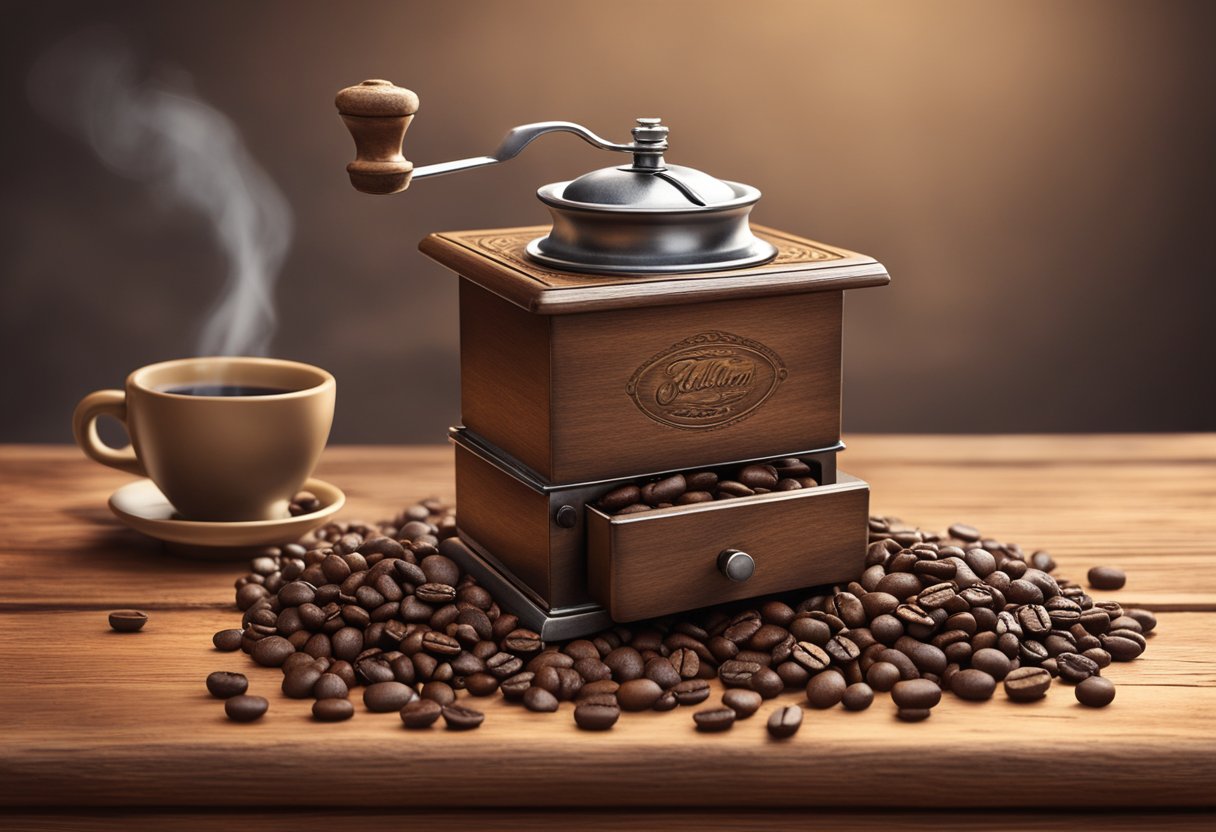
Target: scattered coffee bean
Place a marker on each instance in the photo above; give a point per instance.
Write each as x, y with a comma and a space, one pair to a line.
540, 700
916, 694
691, 691
332, 709
596, 716
638, 694
1026, 684
128, 621
882, 676
383, 697
272, 651
785, 722
826, 689
973, 684
227, 640
743, 702
1075, 668
857, 697
912, 714
714, 719
223, 685
245, 708
460, 718
1106, 577
421, 713
1095, 692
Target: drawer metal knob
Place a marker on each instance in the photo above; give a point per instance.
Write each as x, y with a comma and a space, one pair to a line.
736, 565
566, 517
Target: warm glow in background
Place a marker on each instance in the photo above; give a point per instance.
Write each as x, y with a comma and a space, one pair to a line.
1037, 176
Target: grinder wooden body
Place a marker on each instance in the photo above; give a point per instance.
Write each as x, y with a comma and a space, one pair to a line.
572, 384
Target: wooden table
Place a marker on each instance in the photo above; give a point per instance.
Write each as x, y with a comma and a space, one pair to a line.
105, 729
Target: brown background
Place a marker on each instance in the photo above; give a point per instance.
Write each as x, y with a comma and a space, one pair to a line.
1037, 177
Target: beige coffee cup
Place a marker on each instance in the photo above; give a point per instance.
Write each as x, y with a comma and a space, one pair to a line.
217, 457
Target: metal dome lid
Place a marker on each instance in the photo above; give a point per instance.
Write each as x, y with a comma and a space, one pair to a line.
670, 187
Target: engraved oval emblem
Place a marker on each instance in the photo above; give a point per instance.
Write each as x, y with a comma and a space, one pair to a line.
710, 380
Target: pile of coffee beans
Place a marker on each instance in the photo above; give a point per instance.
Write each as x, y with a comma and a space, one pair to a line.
786, 474
384, 608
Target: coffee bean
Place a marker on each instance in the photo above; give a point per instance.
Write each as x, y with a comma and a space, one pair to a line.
826, 689
743, 702
973, 684
1034, 619
330, 686
439, 644
1148, 621
963, 532
333, 709
245, 708
735, 673
1026, 684
514, 687
1095, 692
714, 719
227, 640
686, 662
913, 714
130, 621
857, 697
421, 713
596, 716
383, 697
691, 691
621, 497
1123, 645
810, 656
300, 681
638, 694
605, 687
660, 671
785, 722
540, 700
991, 661
223, 685
272, 651
626, 664
916, 694
504, 665
882, 676
766, 682
438, 691
841, 649
1106, 577
431, 593
440, 570
462, 718
1075, 668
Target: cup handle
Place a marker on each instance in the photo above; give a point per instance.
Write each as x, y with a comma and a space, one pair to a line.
84, 427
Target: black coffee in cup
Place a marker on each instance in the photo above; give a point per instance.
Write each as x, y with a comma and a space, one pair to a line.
224, 390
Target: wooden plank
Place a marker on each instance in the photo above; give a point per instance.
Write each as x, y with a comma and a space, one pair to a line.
1141, 502
611, 819
95, 718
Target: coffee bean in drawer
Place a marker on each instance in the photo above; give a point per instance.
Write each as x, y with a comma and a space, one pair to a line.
704, 486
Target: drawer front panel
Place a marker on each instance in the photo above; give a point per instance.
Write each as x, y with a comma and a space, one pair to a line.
666, 560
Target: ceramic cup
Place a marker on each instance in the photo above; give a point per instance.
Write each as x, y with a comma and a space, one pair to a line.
217, 457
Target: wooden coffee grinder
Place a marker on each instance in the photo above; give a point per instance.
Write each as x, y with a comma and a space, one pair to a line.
650, 330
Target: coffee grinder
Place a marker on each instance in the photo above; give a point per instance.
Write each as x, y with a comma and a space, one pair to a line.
650, 329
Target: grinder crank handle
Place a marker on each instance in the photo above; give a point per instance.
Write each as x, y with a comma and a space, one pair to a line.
377, 113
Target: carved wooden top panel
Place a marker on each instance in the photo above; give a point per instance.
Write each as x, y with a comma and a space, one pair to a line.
496, 260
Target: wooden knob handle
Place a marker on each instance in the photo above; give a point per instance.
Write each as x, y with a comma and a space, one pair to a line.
377, 114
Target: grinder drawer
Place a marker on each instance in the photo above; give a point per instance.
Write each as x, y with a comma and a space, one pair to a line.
671, 559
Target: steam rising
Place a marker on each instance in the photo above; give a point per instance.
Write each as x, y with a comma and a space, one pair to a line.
186, 152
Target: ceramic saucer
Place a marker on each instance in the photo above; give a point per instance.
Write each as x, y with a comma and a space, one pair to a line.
143, 507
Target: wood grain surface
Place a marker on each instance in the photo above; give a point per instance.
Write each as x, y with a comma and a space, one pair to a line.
90, 718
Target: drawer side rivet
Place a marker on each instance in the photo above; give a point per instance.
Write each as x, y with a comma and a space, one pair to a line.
736, 565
